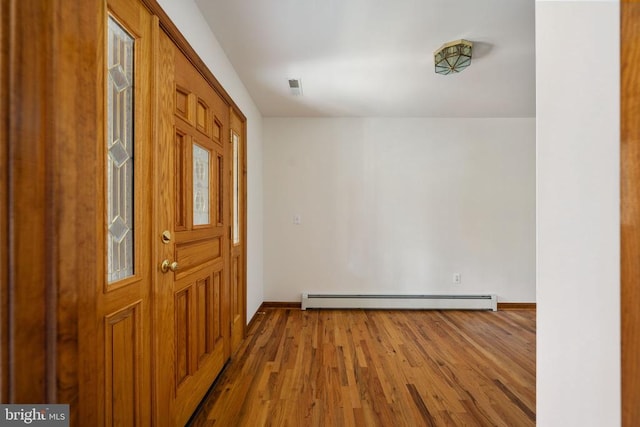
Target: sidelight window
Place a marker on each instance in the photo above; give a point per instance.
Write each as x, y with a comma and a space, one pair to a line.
236, 188
120, 143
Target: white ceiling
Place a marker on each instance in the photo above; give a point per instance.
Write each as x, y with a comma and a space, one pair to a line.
375, 57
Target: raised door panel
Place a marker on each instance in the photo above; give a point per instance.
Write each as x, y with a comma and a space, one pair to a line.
182, 103
180, 185
204, 338
183, 330
124, 370
194, 253
203, 117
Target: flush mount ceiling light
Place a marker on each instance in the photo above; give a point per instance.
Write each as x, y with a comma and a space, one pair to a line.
453, 57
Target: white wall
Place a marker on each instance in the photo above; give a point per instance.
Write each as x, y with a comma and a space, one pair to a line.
186, 15
399, 205
578, 328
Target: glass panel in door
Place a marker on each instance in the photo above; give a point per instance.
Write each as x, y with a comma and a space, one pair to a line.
119, 144
200, 186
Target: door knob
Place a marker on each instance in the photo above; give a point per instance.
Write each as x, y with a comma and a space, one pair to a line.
166, 266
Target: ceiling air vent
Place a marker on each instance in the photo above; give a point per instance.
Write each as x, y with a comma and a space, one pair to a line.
295, 87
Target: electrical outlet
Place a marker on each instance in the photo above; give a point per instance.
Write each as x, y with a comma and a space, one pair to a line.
457, 278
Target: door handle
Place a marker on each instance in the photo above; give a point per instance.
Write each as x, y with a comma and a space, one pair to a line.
166, 266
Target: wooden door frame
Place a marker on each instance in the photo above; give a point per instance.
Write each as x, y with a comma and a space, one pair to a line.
4, 200
49, 117
630, 210
49, 77
239, 126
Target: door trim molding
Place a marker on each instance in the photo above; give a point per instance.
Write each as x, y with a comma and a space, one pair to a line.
51, 175
630, 211
5, 372
26, 155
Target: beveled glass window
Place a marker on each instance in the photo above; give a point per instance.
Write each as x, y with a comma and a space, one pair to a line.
236, 188
200, 186
120, 142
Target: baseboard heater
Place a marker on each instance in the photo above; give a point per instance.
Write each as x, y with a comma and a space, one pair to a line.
410, 302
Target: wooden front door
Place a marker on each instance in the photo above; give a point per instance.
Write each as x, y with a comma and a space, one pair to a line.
193, 338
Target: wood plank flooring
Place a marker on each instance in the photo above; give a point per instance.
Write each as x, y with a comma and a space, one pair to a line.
379, 368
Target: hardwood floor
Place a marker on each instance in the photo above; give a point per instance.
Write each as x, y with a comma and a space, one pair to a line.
379, 368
